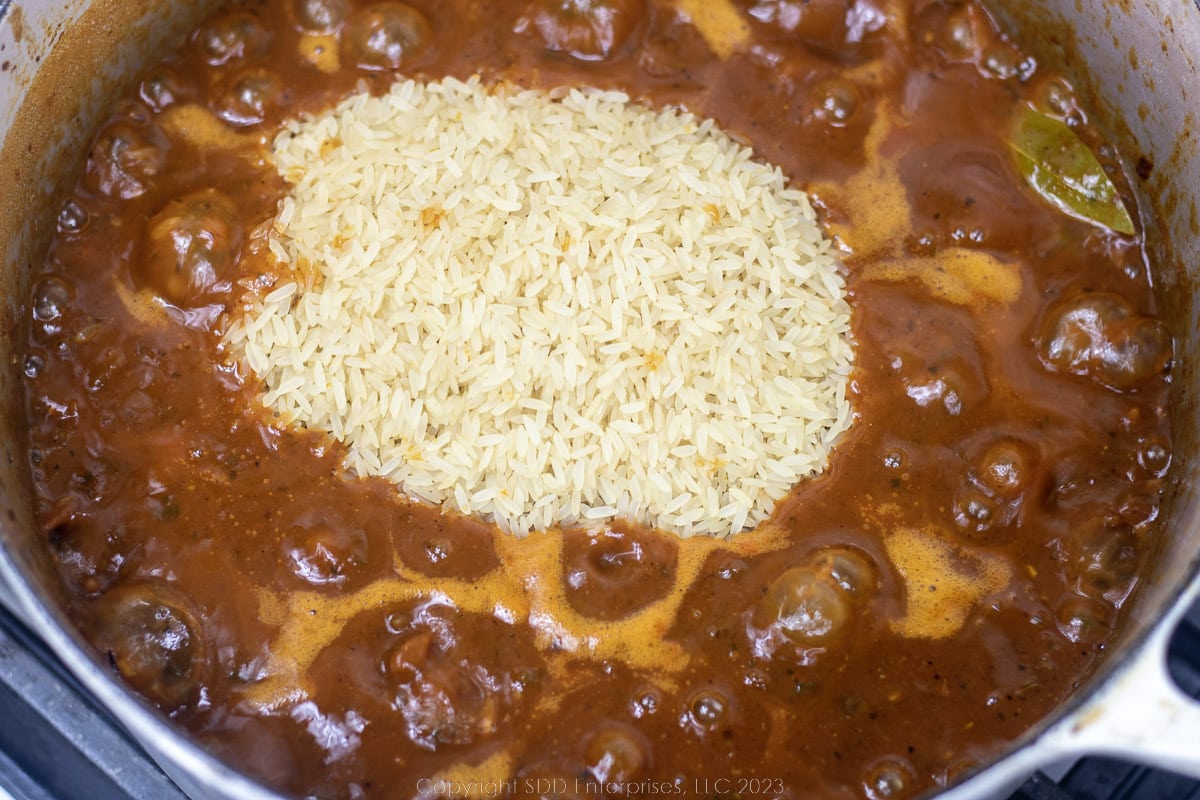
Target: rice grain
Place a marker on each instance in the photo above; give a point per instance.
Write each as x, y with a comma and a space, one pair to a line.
552, 311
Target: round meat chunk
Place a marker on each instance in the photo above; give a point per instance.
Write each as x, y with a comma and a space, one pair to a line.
805, 606
385, 35
248, 96
848, 568
320, 16
589, 30
325, 553
192, 243
125, 159
613, 573
1007, 468
616, 754
443, 690
834, 29
153, 639
1098, 334
232, 37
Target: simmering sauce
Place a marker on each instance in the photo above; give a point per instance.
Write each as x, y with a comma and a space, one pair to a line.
951, 577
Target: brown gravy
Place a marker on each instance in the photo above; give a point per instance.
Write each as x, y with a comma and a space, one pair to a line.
962, 563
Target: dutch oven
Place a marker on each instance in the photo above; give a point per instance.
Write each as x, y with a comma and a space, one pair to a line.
61, 63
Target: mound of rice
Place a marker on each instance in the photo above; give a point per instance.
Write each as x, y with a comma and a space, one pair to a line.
552, 311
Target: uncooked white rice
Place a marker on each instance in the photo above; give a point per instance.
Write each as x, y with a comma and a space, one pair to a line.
552, 311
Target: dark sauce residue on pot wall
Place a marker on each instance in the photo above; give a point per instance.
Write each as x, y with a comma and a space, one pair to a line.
967, 555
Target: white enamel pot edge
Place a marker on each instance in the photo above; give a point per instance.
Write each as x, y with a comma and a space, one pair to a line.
1138, 53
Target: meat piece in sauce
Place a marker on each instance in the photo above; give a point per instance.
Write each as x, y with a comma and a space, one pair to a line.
320, 16
153, 639
617, 754
191, 245
610, 574
812, 605
125, 159
589, 30
247, 96
384, 36
232, 37
1005, 475
445, 695
1099, 334
834, 29
326, 552
960, 32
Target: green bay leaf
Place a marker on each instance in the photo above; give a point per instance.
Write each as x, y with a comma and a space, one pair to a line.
1061, 168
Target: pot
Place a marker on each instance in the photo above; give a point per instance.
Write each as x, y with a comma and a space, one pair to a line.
61, 63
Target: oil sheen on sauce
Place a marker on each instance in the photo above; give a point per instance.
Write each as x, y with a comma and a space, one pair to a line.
950, 579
